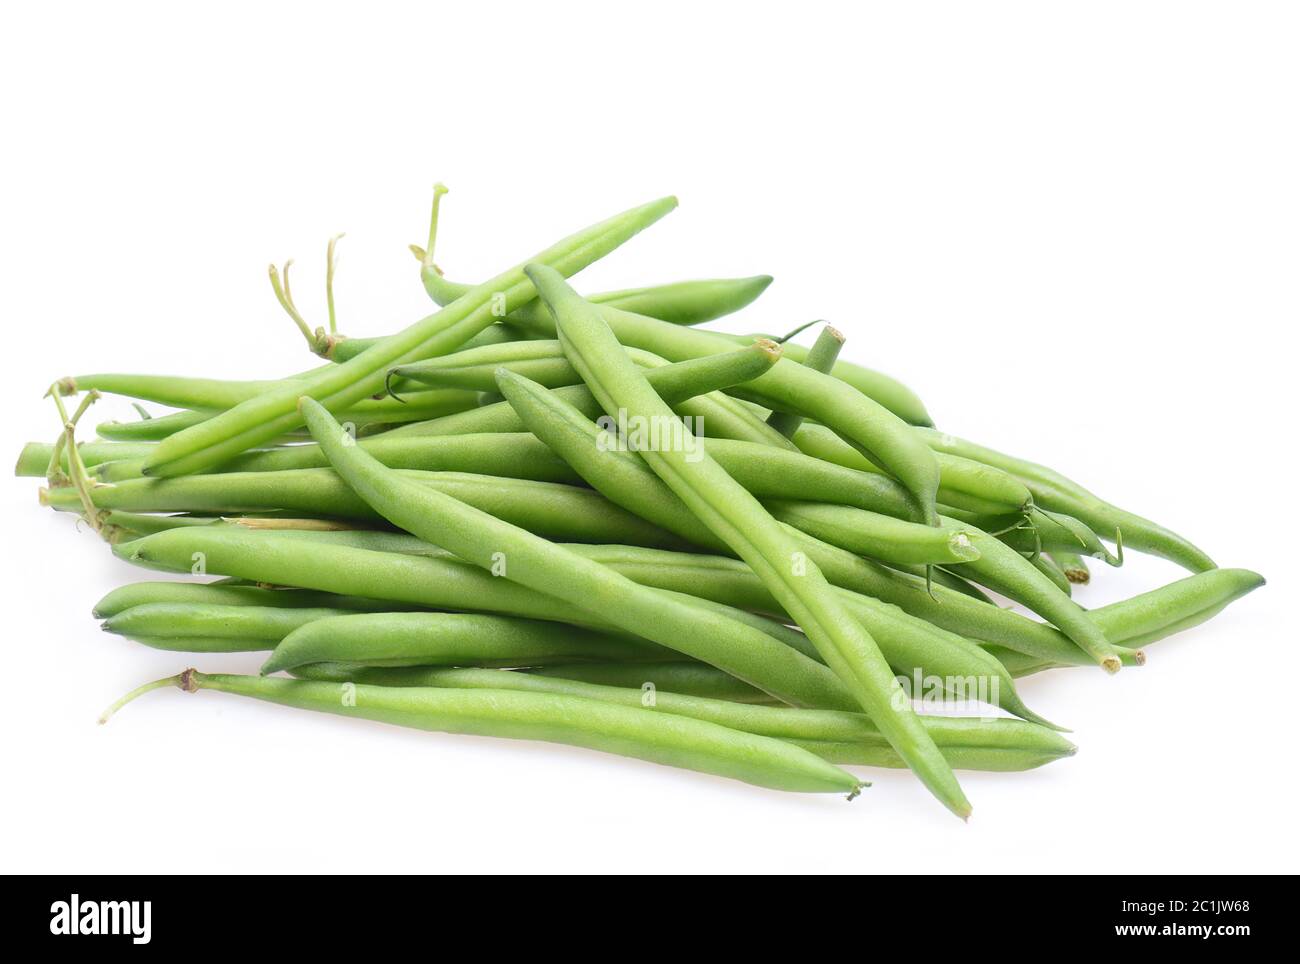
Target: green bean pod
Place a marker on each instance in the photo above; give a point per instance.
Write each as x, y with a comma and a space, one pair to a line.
681, 303
266, 625
514, 455
594, 724
889, 392
542, 361
414, 407
1151, 616
176, 391
963, 483
1055, 492
733, 515
272, 414
35, 456
1154, 615
690, 387
452, 639
547, 508
879, 536
687, 678
967, 743
821, 358
341, 348
135, 594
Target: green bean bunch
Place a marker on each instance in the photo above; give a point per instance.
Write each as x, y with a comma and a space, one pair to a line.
586, 520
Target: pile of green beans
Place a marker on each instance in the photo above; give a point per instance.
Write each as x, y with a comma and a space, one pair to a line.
586, 520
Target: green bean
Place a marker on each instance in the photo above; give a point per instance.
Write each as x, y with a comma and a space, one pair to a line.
889, 392
1180, 605
1055, 492
451, 639
690, 387
963, 483
414, 407
1154, 615
546, 508
543, 361
724, 507
176, 391
342, 348
35, 456
686, 678
775, 473
274, 413
266, 625
681, 303
532, 561
512, 455
117, 525
217, 594
1072, 565
972, 744
540, 359
879, 536
820, 359
656, 737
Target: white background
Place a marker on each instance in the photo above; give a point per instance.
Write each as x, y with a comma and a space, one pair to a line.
1071, 228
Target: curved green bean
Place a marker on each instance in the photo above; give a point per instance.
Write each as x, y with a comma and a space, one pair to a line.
656, 737
972, 744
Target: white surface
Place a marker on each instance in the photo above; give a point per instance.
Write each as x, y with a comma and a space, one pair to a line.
1072, 231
